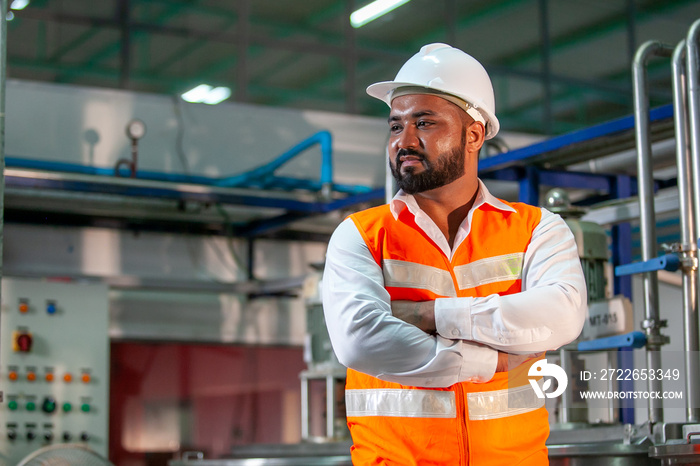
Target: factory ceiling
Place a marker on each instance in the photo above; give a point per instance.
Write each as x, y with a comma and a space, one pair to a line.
557, 65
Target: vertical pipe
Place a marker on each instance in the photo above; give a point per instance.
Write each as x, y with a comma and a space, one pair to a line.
3, 74
330, 406
693, 89
529, 190
622, 254
693, 130
305, 407
688, 236
647, 220
567, 397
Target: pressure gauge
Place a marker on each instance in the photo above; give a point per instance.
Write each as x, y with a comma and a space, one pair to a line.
136, 129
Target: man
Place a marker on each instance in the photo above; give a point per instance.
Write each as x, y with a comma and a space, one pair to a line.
439, 302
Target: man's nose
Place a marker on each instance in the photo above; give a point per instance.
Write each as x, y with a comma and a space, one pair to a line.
408, 139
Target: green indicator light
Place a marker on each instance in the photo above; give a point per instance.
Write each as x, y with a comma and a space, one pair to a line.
31, 406
67, 407
49, 405
85, 408
12, 405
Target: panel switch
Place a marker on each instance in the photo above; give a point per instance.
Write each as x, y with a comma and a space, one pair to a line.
21, 341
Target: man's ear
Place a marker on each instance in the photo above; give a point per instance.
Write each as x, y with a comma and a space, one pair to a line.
476, 136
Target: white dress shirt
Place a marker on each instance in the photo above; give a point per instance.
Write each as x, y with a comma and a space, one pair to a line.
548, 313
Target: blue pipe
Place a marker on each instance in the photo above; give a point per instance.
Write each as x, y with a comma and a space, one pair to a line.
261, 177
634, 339
261, 173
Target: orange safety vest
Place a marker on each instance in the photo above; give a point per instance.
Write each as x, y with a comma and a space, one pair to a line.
501, 422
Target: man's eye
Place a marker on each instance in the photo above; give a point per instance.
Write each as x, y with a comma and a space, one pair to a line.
394, 128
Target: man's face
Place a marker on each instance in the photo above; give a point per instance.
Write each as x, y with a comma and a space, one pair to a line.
427, 142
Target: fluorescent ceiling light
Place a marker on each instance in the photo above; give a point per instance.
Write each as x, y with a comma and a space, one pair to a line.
19, 4
206, 94
373, 11
216, 95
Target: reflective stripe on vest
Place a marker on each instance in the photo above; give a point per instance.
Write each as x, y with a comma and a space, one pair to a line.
398, 402
403, 274
502, 403
490, 270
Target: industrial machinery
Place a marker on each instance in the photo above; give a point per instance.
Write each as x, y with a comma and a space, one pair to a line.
54, 366
69, 453
614, 440
323, 367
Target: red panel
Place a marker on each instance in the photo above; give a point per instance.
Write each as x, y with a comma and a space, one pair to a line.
167, 398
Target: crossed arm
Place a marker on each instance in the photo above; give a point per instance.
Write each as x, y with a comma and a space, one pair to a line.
421, 314
369, 332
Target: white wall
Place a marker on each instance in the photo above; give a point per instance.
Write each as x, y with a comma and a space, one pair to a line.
87, 126
194, 261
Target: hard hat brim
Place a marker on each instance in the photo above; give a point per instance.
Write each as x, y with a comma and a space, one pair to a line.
384, 90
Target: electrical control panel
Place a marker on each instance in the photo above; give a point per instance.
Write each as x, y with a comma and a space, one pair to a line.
54, 366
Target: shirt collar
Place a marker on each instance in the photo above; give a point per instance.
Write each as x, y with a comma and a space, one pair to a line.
402, 201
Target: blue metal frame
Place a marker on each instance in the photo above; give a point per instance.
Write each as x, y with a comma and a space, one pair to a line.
525, 155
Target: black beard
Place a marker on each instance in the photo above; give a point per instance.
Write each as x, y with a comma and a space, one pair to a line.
448, 167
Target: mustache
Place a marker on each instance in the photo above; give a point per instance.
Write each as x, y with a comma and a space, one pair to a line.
404, 152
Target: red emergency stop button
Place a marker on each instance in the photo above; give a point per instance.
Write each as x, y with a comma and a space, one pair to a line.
22, 341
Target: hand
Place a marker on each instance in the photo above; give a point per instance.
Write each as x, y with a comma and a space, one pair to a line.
418, 313
507, 361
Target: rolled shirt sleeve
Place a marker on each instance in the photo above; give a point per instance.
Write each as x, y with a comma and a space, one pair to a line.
366, 337
547, 314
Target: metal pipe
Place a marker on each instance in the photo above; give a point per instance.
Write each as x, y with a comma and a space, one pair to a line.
688, 248
652, 322
663, 154
3, 88
330, 406
693, 85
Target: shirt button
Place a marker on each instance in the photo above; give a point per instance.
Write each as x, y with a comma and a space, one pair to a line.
455, 332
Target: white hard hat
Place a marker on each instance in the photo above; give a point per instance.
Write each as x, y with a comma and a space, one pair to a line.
445, 69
